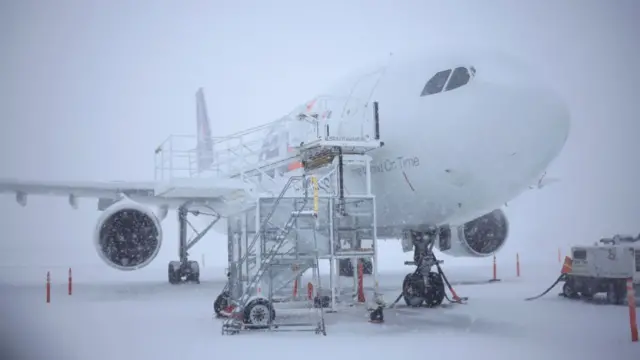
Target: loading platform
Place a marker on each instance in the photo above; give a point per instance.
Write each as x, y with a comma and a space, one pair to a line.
280, 223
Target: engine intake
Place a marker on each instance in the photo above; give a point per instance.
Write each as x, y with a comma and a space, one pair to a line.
481, 237
128, 235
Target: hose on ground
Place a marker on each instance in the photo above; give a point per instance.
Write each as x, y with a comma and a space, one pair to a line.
560, 278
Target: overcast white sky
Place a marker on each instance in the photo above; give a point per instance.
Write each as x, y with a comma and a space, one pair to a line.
89, 88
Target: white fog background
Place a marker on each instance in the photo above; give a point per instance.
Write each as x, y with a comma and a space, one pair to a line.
88, 89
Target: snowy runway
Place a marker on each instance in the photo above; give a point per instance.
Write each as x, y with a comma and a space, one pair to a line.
154, 320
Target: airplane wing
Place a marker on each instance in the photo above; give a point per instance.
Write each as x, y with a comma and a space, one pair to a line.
109, 191
88, 189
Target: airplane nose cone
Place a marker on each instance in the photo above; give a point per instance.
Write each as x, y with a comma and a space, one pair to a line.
549, 122
538, 120
530, 126
538, 133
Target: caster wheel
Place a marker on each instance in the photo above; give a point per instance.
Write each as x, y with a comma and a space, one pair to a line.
259, 312
221, 303
174, 273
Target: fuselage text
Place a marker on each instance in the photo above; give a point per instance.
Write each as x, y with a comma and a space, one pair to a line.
399, 163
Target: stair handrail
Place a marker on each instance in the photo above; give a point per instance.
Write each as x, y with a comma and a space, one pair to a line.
265, 222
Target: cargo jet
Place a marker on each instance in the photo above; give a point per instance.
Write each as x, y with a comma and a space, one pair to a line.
464, 133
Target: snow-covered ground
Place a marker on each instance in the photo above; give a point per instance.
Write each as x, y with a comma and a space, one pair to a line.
150, 319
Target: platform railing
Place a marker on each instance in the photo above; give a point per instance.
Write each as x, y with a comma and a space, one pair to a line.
247, 154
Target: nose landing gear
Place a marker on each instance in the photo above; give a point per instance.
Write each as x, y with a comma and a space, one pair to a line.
422, 287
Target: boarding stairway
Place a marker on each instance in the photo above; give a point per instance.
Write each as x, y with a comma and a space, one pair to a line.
293, 234
299, 227
279, 224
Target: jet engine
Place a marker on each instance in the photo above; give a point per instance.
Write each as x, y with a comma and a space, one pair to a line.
128, 235
477, 238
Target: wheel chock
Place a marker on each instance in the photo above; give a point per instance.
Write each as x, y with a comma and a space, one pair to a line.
377, 315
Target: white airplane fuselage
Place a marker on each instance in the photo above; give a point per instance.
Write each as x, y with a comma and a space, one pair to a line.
453, 156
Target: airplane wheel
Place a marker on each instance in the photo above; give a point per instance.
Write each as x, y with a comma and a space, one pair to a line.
194, 275
257, 312
413, 290
435, 293
174, 272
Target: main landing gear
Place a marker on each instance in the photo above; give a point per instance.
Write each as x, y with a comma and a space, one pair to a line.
186, 270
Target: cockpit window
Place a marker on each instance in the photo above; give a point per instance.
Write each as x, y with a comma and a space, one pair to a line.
436, 83
459, 78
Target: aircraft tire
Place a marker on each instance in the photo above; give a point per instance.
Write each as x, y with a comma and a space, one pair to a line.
174, 272
194, 275
413, 290
436, 292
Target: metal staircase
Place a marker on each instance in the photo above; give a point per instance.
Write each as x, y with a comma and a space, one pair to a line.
270, 255
276, 239
280, 222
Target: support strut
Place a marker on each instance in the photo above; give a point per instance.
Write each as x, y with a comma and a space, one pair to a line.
183, 212
341, 204
185, 270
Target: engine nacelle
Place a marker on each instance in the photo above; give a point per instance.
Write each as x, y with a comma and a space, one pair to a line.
128, 235
481, 237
